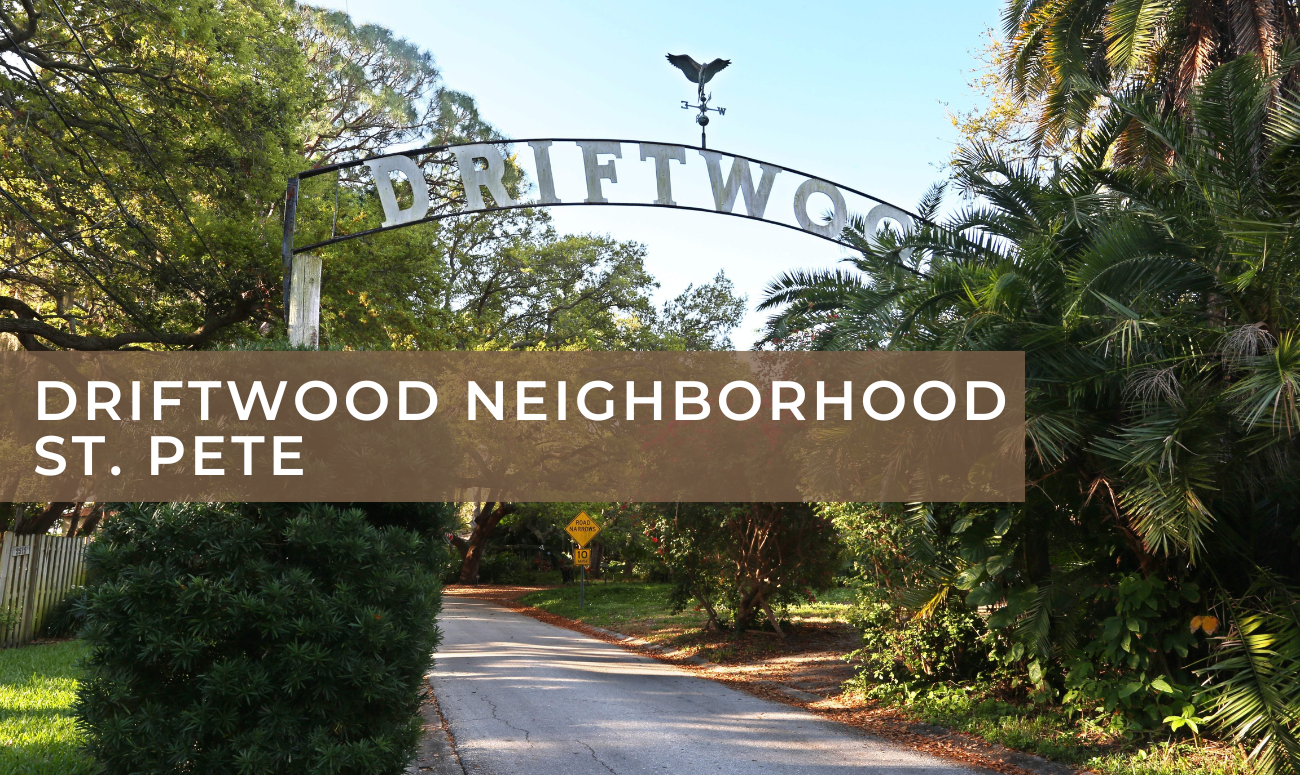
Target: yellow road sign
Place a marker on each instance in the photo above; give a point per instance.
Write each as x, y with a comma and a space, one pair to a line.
583, 528
582, 558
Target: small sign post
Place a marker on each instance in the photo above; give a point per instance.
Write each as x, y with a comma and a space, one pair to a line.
582, 529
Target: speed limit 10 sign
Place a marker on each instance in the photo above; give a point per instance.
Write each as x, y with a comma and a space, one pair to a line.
582, 558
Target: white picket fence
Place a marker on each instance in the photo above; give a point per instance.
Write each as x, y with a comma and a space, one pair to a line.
36, 572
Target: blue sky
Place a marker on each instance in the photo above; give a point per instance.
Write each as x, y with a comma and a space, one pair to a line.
851, 91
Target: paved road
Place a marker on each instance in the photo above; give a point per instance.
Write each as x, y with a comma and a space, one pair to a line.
525, 698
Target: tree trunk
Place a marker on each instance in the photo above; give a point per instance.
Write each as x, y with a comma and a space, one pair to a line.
73, 518
472, 549
1037, 553
597, 560
1147, 562
91, 521
767, 609
9, 511
40, 524
750, 602
713, 624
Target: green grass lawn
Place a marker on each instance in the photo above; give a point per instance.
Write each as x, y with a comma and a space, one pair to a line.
630, 607
38, 735
831, 606
644, 606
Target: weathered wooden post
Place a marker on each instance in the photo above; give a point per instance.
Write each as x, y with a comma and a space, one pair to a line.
304, 301
301, 278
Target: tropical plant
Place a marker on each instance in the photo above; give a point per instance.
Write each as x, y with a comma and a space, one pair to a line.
897, 648
1065, 55
1157, 306
1135, 659
1257, 674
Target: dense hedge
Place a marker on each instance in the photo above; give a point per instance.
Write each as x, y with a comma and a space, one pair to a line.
259, 638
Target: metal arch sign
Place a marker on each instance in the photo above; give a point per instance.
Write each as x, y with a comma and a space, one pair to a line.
568, 172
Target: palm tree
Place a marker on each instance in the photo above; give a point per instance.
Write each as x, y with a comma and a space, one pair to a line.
1068, 53
1159, 310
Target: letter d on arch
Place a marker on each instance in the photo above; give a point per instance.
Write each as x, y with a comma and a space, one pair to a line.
381, 170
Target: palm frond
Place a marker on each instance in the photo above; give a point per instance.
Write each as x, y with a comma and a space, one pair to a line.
1133, 27
1254, 679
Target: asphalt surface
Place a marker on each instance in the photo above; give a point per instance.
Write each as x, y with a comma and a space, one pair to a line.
524, 698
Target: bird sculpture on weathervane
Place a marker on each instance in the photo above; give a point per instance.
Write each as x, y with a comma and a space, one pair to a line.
700, 74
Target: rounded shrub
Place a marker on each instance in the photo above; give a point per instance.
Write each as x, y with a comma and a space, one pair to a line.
948, 644
257, 638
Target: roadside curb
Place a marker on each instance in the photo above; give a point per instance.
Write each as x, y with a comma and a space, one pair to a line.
437, 754
940, 741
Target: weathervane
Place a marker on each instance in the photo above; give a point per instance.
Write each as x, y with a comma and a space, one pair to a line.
700, 74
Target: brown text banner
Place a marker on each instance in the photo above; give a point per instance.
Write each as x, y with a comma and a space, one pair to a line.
580, 426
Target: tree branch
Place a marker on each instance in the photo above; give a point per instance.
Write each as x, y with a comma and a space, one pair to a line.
28, 324
19, 36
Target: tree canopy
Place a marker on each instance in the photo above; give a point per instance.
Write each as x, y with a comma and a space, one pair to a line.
144, 151
143, 158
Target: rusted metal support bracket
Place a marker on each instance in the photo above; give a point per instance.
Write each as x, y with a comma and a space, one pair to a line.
286, 241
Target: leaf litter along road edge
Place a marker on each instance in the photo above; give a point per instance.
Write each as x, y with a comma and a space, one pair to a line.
880, 722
